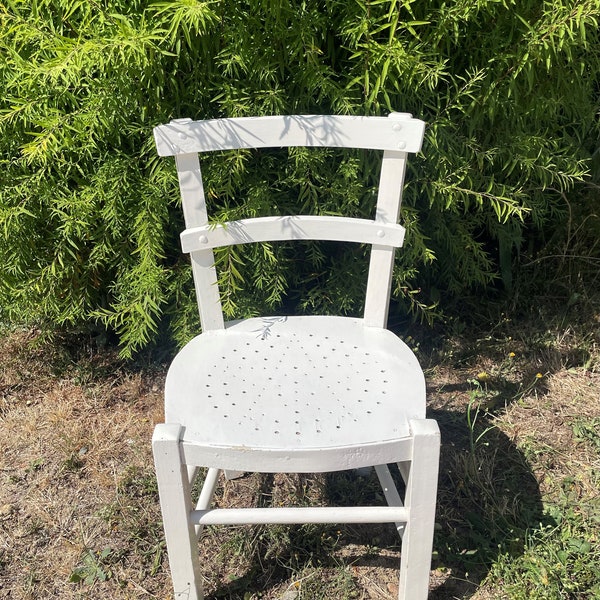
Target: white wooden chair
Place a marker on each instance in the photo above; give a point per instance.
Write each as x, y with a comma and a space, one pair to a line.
299, 393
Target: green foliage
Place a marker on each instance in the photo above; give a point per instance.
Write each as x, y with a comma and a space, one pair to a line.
89, 215
559, 560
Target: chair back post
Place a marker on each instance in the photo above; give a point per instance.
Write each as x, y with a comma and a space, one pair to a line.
203, 262
389, 200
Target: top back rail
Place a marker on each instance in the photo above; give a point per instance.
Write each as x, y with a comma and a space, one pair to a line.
184, 136
397, 135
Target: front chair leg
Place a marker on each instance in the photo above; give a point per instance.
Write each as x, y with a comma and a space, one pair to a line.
176, 505
420, 500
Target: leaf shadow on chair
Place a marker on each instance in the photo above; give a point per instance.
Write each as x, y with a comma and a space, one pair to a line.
488, 499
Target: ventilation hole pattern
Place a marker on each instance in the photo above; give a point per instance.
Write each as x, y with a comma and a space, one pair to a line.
296, 385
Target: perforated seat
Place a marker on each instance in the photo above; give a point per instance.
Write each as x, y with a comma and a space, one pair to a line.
295, 394
292, 388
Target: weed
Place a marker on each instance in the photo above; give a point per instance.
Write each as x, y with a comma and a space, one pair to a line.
35, 465
93, 567
473, 413
586, 430
558, 562
138, 483
320, 584
73, 463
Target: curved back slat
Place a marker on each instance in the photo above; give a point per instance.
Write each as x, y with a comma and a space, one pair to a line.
277, 229
183, 136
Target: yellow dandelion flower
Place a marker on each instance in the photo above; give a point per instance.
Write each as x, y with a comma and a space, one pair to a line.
483, 376
538, 375
511, 354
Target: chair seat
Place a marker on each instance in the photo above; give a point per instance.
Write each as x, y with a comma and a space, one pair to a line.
328, 390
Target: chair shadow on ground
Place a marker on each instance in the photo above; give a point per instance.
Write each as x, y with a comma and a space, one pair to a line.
488, 501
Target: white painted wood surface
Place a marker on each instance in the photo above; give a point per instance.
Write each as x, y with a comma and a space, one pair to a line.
272, 229
176, 506
350, 389
420, 497
291, 515
203, 262
183, 136
391, 494
381, 266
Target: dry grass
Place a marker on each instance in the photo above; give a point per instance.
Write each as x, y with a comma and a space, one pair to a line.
78, 508
68, 446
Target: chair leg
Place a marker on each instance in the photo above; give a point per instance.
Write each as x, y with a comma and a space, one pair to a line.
404, 468
420, 499
390, 492
176, 505
363, 471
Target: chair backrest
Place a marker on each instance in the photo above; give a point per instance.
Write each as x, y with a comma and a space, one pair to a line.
397, 135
